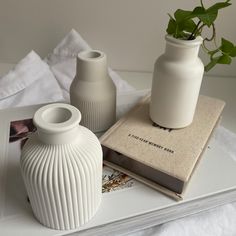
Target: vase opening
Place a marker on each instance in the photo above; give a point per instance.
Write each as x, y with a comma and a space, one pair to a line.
183, 42
90, 55
93, 54
56, 115
56, 118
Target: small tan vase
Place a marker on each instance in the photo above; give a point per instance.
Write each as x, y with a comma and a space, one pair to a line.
93, 91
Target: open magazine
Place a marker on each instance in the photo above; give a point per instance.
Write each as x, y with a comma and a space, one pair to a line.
127, 205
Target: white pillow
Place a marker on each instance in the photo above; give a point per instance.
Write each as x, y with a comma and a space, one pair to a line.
29, 82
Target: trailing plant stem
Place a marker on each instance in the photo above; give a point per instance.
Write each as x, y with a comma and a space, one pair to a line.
192, 36
213, 33
202, 3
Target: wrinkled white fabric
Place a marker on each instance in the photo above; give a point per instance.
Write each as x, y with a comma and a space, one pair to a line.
29, 82
215, 222
227, 139
63, 63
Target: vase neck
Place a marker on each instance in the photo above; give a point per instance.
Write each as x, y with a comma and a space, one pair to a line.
178, 49
57, 123
91, 66
53, 138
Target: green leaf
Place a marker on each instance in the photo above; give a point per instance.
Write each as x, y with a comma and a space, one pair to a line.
189, 25
233, 52
226, 46
224, 59
211, 64
211, 53
181, 29
198, 11
179, 33
206, 16
182, 15
218, 6
171, 29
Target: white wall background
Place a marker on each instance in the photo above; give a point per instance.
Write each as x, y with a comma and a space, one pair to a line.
131, 32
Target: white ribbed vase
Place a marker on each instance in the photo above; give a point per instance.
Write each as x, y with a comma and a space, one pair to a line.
93, 91
62, 168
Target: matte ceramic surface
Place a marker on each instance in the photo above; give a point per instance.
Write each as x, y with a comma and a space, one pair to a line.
62, 168
176, 83
93, 91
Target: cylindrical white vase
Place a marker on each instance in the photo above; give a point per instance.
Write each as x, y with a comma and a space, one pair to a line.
62, 168
176, 83
93, 91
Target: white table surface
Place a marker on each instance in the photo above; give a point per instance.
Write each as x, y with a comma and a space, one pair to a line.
219, 87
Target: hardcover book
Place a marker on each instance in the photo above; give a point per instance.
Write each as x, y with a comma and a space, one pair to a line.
161, 158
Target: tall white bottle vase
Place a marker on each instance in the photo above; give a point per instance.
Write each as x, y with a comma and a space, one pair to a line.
62, 168
176, 83
93, 91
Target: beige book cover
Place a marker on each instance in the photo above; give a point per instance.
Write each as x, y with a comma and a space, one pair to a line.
161, 158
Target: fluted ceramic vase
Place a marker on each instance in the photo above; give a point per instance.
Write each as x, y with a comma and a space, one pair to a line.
62, 168
176, 83
93, 91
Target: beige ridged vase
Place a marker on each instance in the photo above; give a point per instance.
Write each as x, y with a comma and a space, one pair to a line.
93, 91
61, 166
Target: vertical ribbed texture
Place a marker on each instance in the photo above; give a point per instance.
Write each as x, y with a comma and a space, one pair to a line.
64, 182
97, 116
93, 92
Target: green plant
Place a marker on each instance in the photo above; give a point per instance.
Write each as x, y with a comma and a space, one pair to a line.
188, 25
